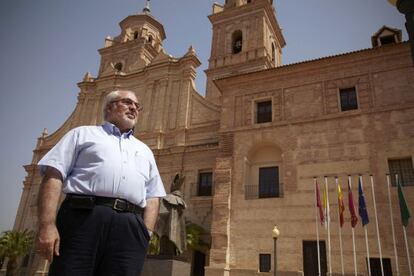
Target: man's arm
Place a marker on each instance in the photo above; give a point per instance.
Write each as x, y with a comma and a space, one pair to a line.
151, 213
48, 237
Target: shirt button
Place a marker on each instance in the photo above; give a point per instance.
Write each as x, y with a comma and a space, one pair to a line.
123, 177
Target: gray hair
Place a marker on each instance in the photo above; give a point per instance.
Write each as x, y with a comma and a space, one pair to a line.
111, 96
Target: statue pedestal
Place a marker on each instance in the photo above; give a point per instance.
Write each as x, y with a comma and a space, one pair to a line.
165, 266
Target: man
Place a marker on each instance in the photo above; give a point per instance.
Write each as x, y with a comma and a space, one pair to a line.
112, 188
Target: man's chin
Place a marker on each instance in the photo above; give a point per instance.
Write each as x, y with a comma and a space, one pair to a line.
131, 123
128, 123
130, 118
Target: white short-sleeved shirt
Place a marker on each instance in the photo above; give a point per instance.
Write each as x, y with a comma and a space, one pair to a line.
99, 160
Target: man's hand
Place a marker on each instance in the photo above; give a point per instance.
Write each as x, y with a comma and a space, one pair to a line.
48, 241
151, 213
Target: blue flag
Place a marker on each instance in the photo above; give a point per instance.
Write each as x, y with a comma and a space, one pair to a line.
362, 207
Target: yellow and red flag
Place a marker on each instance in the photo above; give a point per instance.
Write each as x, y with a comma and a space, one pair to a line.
354, 218
341, 206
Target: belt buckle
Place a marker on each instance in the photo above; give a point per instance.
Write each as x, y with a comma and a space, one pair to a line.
121, 208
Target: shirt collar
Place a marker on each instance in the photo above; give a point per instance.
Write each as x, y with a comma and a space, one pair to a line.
114, 130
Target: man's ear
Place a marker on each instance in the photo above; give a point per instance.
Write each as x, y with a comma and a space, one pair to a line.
108, 108
105, 111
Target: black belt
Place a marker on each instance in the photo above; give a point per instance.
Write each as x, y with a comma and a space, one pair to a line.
88, 202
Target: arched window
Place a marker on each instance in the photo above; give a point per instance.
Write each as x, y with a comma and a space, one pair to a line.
150, 39
273, 52
136, 35
237, 39
118, 67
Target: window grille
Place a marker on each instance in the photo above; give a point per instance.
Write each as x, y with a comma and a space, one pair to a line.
404, 168
205, 184
264, 262
263, 112
348, 99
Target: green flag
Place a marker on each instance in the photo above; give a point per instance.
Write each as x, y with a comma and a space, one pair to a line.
405, 213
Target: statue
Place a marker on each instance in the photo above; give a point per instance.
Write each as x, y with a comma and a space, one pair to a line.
171, 224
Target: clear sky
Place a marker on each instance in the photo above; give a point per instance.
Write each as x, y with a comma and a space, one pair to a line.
48, 45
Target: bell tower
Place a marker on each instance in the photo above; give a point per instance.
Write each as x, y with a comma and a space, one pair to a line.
138, 44
246, 38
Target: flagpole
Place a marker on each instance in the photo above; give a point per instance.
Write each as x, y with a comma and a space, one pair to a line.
408, 251
405, 215
340, 230
340, 248
353, 249
328, 220
366, 244
366, 233
317, 227
353, 233
392, 225
376, 223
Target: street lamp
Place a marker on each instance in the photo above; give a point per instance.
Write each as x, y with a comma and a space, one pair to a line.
406, 7
275, 235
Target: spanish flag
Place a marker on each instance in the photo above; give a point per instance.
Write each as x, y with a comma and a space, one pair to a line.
354, 218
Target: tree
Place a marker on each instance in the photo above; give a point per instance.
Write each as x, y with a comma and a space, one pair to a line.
194, 240
1, 257
194, 237
14, 244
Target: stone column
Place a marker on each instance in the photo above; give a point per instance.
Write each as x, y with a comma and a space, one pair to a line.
220, 228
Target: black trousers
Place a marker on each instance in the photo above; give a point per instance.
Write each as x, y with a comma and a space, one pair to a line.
99, 241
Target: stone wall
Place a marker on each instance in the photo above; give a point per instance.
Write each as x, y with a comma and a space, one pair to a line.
317, 139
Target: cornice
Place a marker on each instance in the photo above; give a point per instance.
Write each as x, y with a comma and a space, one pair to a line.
321, 63
31, 168
228, 14
146, 18
167, 64
324, 117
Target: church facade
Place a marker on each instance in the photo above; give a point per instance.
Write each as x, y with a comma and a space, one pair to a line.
251, 149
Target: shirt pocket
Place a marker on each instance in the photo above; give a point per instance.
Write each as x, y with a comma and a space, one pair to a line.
142, 166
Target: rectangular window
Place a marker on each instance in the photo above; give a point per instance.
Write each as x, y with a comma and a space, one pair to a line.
264, 262
205, 184
348, 99
263, 112
375, 265
389, 39
310, 258
268, 182
404, 168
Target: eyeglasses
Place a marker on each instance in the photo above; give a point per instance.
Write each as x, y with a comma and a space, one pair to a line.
128, 102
